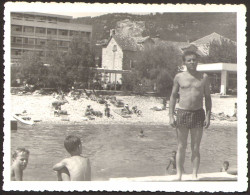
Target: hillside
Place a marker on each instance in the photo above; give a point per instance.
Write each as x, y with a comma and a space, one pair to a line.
169, 26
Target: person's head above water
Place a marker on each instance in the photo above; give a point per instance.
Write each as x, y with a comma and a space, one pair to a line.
21, 157
73, 145
173, 153
190, 59
226, 165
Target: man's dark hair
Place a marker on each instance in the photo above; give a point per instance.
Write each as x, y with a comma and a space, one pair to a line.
226, 162
71, 143
189, 53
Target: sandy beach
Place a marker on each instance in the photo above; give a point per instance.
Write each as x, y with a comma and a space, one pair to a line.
39, 107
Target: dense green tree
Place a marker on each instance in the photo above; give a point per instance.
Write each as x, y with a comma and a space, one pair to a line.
60, 68
156, 66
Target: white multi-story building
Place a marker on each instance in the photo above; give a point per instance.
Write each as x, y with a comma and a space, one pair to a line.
30, 31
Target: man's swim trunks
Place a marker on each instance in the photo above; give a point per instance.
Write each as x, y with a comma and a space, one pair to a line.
190, 118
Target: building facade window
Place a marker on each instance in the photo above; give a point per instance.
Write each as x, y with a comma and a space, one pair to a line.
52, 20
28, 29
29, 41
16, 40
40, 30
16, 52
16, 28
74, 33
51, 31
40, 42
41, 18
29, 17
17, 16
63, 32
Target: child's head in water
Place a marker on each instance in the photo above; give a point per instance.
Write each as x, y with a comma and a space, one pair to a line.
20, 158
226, 165
173, 153
73, 145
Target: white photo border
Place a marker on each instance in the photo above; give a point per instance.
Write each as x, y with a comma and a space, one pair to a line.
240, 185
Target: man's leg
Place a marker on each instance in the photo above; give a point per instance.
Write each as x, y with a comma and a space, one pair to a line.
182, 134
196, 135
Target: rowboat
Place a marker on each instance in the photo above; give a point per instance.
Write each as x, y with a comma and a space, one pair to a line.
23, 119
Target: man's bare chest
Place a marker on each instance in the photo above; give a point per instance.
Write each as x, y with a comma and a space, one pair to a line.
191, 82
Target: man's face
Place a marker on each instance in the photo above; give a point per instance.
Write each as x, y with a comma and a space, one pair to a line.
191, 62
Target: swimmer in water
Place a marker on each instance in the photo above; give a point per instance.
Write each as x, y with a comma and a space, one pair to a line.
225, 166
172, 161
20, 160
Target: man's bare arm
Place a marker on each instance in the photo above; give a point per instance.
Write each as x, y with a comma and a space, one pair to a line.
172, 101
208, 101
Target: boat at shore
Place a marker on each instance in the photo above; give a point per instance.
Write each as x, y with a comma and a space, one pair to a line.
23, 119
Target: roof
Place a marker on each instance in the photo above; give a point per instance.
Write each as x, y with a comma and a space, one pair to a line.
209, 38
125, 42
178, 45
45, 14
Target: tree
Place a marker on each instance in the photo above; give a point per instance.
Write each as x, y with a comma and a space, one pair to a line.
221, 51
31, 68
157, 64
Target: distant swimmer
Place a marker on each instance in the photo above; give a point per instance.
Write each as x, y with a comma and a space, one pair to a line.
76, 167
172, 163
225, 166
20, 160
141, 135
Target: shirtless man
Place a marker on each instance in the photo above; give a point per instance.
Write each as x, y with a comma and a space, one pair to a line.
76, 167
192, 86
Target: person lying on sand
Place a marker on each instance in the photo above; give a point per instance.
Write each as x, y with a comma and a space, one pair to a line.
88, 111
126, 110
136, 111
172, 163
20, 160
76, 167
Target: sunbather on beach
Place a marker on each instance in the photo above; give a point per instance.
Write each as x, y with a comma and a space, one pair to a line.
172, 163
107, 111
20, 160
126, 109
225, 166
76, 167
88, 111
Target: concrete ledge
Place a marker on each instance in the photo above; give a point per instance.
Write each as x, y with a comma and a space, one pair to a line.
218, 176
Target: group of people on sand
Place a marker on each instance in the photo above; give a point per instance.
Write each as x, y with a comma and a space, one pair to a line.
74, 168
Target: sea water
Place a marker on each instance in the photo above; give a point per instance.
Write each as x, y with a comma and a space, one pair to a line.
117, 151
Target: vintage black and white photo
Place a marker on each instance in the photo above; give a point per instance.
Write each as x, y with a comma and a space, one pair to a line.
143, 97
